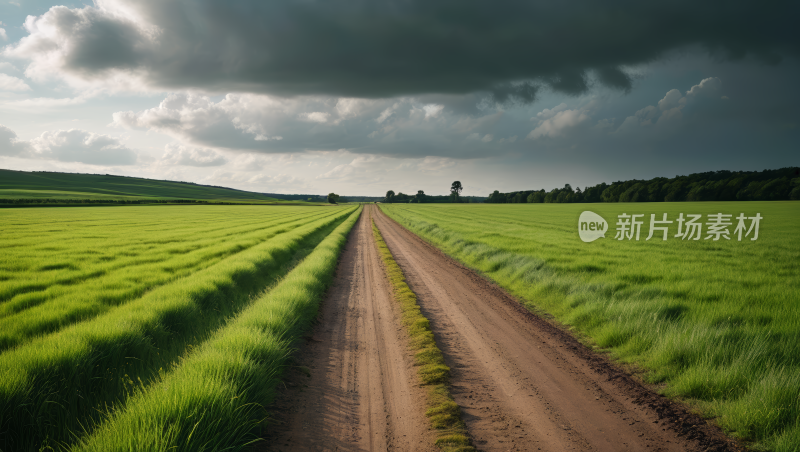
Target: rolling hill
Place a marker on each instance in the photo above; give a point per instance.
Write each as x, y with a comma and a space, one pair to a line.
38, 186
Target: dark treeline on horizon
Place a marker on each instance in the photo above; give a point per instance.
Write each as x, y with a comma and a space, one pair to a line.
430, 199
422, 198
767, 185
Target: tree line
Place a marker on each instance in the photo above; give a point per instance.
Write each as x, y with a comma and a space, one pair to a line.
767, 185
421, 197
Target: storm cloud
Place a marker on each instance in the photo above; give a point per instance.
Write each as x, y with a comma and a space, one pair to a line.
379, 49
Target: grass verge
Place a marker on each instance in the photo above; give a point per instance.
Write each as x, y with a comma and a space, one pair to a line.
214, 399
714, 323
443, 412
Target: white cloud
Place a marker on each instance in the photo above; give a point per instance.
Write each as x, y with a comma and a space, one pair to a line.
72, 145
669, 113
709, 87
38, 104
279, 183
261, 123
432, 110
3, 34
316, 116
673, 99
10, 145
76, 145
386, 113
348, 107
435, 164
361, 164
87, 47
9, 83
548, 113
176, 154
557, 121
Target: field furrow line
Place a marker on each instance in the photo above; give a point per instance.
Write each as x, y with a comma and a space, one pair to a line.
52, 385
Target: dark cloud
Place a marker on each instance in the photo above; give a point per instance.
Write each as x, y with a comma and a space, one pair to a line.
505, 93
388, 48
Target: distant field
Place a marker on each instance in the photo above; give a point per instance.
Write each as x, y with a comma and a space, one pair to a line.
716, 322
60, 194
98, 305
61, 186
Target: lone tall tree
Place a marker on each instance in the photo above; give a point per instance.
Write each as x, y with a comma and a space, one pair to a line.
455, 189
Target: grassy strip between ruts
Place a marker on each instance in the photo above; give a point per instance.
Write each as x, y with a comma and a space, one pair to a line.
214, 399
444, 413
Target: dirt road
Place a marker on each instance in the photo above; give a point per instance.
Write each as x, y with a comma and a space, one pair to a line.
524, 384
362, 394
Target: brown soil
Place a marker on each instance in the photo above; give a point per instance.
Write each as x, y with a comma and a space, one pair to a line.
523, 382
526, 384
363, 393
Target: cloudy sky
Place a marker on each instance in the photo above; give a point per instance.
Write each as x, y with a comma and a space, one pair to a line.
362, 96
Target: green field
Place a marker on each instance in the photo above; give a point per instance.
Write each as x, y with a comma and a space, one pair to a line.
714, 323
69, 186
118, 324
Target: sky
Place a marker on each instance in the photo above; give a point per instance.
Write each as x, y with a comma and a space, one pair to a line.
359, 97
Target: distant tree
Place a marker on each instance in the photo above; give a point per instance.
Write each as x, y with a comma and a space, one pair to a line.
795, 193
389, 196
333, 198
455, 190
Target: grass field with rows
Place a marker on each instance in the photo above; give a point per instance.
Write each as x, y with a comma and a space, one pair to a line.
99, 305
715, 323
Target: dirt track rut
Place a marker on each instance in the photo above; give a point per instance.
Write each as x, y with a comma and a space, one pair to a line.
522, 382
363, 393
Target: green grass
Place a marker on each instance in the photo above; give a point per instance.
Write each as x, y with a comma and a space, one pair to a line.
91, 262
54, 385
10, 193
214, 399
443, 412
89, 265
716, 323
62, 186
